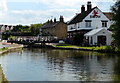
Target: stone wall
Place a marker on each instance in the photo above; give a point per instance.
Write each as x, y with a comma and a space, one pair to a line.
60, 30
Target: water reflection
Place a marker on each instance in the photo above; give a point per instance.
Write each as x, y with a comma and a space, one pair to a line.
62, 65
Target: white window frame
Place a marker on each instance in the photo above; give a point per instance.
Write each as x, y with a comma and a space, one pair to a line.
88, 23
104, 23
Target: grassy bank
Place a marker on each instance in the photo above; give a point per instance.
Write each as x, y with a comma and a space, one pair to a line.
3, 49
109, 49
2, 76
6, 50
9, 49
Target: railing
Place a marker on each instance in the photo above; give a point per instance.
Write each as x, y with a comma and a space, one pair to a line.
26, 41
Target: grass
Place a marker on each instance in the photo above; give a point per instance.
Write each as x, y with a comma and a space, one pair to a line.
101, 48
3, 49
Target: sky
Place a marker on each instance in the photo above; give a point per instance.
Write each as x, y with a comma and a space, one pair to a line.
26, 12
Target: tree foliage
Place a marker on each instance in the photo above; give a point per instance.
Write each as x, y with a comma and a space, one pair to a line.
35, 29
78, 39
116, 23
21, 28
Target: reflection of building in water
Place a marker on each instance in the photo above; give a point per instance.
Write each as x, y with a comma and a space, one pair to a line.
56, 61
83, 65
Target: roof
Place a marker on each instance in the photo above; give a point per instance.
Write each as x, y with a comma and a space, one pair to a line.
109, 15
79, 17
49, 25
94, 31
1, 26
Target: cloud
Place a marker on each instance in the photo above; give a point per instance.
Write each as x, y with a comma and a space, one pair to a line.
40, 16
55, 8
61, 3
3, 5
59, 0
3, 10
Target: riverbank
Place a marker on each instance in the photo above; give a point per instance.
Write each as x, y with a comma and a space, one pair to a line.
2, 76
11, 48
3, 50
103, 49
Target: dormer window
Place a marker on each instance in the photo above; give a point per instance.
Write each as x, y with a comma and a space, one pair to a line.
88, 23
71, 28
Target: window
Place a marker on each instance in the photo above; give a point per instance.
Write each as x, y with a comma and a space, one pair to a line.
104, 23
88, 23
71, 28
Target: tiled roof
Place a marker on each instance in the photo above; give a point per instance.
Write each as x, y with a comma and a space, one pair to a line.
1, 26
49, 25
80, 17
109, 15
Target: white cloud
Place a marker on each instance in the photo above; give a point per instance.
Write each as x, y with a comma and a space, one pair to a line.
67, 8
3, 10
59, 0
32, 16
3, 5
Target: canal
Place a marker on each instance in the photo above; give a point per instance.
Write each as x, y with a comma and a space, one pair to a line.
60, 65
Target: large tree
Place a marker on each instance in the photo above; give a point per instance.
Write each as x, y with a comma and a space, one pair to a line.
116, 23
35, 28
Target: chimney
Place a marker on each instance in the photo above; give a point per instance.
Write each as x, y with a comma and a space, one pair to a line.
61, 19
54, 20
89, 5
48, 21
82, 8
51, 21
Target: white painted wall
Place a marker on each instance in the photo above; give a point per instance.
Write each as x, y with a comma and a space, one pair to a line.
3, 28
96, 22
106, 33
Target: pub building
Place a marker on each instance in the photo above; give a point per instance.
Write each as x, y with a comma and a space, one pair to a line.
92, 24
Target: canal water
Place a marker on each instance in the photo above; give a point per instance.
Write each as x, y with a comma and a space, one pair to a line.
60, 65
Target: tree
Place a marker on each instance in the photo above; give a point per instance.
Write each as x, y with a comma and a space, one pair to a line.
116, 23
17, 28
35, 28
78, 39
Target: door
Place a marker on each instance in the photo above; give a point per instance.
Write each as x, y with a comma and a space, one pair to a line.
101, 40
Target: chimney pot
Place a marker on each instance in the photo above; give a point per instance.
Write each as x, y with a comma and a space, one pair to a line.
61, 19
54, 20
82, 8
51, 21
89, 5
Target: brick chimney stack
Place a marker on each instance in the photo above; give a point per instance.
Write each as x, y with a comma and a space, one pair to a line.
82, 8
61, 19
89, 5
54, 20
51, 21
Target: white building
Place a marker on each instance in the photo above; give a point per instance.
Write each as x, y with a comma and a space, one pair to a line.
99, 36
4, 28
91, 19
